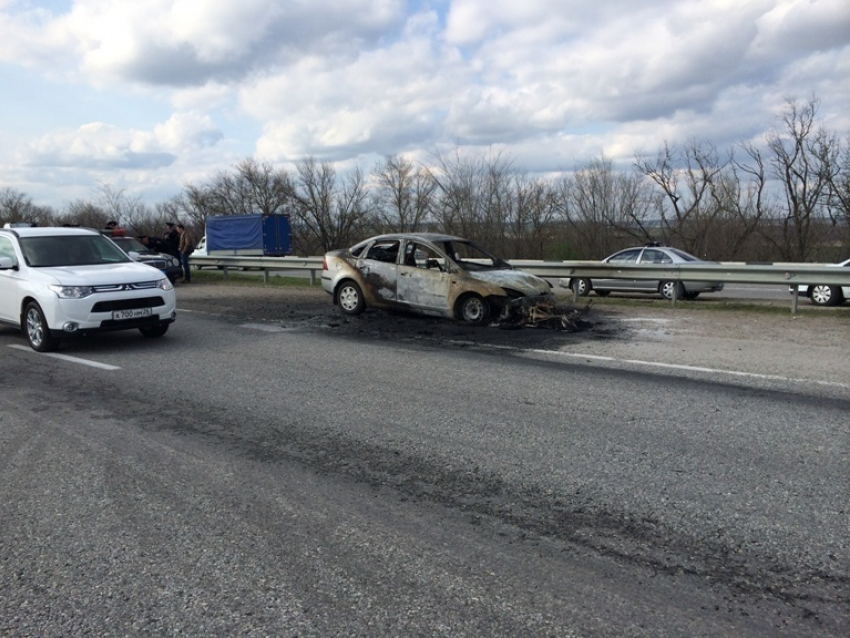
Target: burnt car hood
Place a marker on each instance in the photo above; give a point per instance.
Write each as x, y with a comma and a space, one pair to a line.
526, 283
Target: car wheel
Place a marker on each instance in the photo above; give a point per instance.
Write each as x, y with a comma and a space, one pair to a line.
473, 309
667, 288
36, 329
825, 295
154, 331
584, 286
350, 298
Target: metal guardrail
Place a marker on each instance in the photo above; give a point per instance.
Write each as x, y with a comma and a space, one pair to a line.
738, 273
727, 272
266, 264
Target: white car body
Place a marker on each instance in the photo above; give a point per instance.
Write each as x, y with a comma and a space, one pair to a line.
54, 298
823, 294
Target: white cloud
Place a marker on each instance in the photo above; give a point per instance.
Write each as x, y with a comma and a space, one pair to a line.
554, 81
103, 146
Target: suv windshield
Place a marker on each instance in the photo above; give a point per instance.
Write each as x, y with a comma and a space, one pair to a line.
70, 250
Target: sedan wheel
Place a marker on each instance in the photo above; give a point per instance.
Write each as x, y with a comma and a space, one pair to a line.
350, 298
667, 288
474, 310
37, 331
825, 295
584, 286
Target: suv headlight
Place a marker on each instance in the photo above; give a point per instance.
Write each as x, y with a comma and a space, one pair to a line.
165, 284
71, 292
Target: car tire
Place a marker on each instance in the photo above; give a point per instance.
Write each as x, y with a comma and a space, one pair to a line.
154, 331
602, 293
822, 295
667, 288
473, 309
350, 298
690, 296
584, 286
36, 329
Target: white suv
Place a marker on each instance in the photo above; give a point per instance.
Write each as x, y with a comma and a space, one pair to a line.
57, 282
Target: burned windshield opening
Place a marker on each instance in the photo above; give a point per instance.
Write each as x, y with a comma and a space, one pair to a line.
472, 257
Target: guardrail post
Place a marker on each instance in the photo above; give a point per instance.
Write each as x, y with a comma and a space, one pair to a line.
312, 277
794, 297
576, 286
266, 276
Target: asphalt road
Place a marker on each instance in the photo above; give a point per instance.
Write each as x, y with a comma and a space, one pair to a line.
241, 477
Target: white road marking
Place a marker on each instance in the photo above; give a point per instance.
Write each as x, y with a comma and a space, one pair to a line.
659, 364
65, 357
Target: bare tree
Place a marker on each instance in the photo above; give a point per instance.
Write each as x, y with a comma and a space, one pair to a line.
83, 213
805, 160
839, 193
116, 205
16, 206
688, 181
329, 214
471, 193
403, 195
531, 218
742, 203
604, 209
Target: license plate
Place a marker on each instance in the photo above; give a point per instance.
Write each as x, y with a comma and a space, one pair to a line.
136, 313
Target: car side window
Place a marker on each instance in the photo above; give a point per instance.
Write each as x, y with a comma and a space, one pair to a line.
7, 249
651, 256
386, 251
421, 256
628, 256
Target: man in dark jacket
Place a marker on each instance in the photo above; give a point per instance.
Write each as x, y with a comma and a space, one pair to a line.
172, 240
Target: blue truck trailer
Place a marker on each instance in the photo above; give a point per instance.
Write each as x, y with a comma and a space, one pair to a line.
255, 235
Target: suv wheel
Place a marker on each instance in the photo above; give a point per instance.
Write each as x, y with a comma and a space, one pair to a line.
36, 329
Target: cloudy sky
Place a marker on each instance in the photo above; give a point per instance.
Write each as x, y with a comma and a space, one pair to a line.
147, 95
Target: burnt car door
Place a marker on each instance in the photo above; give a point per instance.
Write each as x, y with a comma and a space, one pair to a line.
379, 269
424, 280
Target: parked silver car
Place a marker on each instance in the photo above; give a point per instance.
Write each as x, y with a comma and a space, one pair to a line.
644, 255
823, 294
431, 274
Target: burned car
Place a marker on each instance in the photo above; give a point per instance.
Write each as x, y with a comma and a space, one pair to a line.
434, 274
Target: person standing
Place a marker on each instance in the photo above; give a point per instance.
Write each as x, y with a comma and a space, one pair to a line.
172, 240
186, 246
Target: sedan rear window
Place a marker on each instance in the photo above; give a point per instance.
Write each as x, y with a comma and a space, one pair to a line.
70, 250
